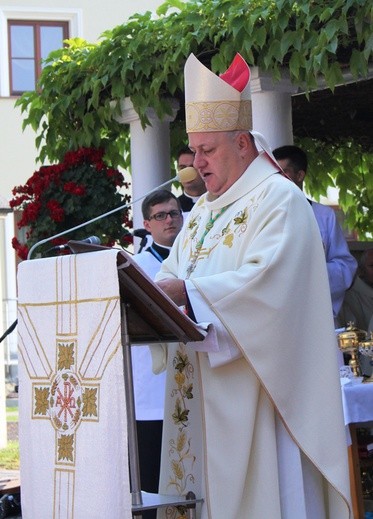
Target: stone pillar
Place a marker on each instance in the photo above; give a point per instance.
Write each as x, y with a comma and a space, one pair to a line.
271, 105
150, 154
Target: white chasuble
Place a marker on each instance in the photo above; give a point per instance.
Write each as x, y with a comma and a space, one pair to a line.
72, 423
261, 432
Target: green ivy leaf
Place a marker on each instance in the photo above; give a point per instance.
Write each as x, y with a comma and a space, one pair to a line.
334, 75
76, 97
358, 65
260, 36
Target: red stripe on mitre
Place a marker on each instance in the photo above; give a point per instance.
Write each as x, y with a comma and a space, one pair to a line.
238, 73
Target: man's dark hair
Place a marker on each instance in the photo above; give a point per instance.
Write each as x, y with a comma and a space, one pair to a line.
184, 149
156, 197
296, 156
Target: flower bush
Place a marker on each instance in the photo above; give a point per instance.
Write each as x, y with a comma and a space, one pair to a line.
61, 196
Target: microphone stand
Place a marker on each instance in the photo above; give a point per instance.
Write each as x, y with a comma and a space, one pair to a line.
143, 243
9, 330
120, 208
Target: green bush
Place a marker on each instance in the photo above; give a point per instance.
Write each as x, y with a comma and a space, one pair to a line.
9, 457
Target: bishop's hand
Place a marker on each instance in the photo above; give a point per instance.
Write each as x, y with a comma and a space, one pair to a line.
175, 289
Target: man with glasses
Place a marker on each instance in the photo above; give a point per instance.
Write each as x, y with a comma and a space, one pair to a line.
163, 220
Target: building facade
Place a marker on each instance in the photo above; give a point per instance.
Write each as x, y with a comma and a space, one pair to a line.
29, 30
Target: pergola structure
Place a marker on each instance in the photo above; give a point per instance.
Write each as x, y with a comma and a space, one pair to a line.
296, 48
345, 113
280, 112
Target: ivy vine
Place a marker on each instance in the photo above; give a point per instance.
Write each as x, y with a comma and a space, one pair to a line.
81, 86
349, 168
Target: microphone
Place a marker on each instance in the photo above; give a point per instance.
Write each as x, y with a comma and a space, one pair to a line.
184, 175
187, 174
92, 239
143, 234
140, 233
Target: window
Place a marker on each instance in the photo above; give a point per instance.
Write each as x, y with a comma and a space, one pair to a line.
29, 43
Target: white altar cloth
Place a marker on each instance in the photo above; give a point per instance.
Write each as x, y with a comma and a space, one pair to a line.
357, 402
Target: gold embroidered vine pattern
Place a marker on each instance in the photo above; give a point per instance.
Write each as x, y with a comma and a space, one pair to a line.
239, 225
180, 447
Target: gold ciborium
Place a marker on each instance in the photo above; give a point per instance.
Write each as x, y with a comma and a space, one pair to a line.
349, 342
366, 348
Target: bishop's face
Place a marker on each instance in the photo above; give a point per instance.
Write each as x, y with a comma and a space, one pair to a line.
219, 158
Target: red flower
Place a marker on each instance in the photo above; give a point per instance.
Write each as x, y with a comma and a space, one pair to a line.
80, 190
115, 176
22, 250
74, 188
30, 214
18, 201
55, 210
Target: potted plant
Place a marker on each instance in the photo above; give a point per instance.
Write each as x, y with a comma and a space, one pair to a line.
61, 196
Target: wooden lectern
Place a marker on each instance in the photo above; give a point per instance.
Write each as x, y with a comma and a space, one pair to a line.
147, 316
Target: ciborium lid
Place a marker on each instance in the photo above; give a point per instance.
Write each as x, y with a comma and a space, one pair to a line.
368, 342
351, 337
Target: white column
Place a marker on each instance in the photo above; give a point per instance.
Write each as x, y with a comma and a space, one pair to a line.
271, 105
150, 154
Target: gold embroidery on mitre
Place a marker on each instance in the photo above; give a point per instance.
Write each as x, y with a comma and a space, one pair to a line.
218, 116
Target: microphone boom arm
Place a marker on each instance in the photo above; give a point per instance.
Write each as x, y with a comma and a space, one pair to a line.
120, 208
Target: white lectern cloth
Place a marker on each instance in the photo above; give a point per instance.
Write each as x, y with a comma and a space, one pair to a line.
72, 421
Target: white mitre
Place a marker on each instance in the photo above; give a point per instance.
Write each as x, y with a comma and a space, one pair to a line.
217, 103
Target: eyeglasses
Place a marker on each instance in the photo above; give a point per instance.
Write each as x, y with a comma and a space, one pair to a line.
175, 213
